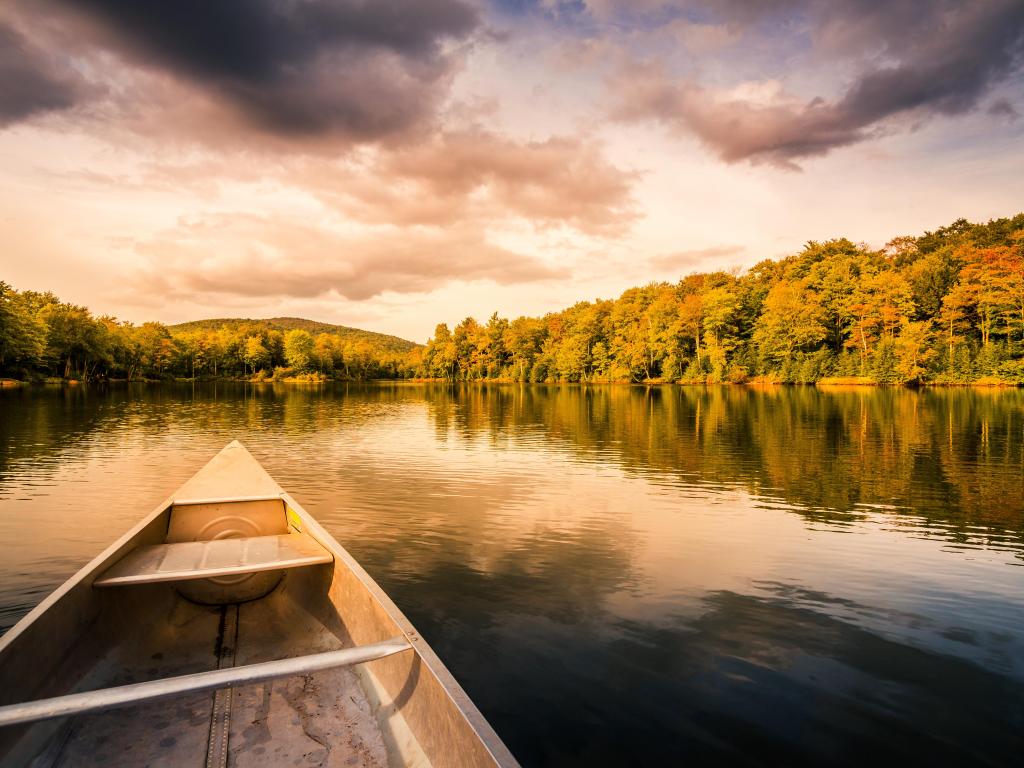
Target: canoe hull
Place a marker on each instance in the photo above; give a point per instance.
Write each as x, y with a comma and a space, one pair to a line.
82, 637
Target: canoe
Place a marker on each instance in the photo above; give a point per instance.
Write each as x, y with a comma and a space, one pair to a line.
229, 628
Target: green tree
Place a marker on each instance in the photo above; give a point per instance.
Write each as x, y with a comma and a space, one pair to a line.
22, 331
298, 349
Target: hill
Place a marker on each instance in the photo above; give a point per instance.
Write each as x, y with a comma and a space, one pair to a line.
379, 340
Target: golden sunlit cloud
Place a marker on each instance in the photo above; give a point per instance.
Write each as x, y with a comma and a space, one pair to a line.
283, 256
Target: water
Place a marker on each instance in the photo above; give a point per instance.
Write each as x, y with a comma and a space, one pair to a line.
616, 575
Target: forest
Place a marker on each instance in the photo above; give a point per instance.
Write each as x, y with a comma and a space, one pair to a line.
42, 337
946, 307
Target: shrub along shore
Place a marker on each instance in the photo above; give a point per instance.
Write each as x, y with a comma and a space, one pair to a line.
943, 308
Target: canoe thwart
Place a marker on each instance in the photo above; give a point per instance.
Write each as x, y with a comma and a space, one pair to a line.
219, 557
109, 698
225, 500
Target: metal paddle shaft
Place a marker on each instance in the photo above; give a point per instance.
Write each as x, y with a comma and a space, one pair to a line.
108, 698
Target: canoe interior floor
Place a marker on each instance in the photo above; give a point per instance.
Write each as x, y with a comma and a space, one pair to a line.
322, 719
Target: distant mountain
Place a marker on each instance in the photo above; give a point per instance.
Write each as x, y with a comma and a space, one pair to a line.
380, 340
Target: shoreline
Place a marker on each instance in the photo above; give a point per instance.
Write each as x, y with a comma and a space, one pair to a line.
834, 382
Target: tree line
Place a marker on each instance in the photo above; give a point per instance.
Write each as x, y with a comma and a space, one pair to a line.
945, 307
42, 336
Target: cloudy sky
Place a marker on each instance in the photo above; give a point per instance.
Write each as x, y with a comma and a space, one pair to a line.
391, 164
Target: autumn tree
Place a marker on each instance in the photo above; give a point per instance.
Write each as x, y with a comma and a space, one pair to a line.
441, 356
255, 354
298, 349
719, 306
323, 352
791, 320
523, 339
691, 321
914, 350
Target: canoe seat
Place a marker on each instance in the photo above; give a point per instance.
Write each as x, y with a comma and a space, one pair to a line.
219, 557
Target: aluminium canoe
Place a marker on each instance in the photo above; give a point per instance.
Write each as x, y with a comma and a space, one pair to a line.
228, 628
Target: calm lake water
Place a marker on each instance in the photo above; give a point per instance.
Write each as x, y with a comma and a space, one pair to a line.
616, 575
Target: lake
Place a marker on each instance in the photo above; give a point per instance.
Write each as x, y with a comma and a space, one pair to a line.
617, 575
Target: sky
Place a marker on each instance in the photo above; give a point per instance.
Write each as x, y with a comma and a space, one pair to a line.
393, 164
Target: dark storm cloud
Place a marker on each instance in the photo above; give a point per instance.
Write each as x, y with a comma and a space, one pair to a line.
290, 67
30, 82
915, 60
364, 69
253, 40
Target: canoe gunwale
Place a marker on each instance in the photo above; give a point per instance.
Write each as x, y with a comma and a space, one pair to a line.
460, 699
81, 577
